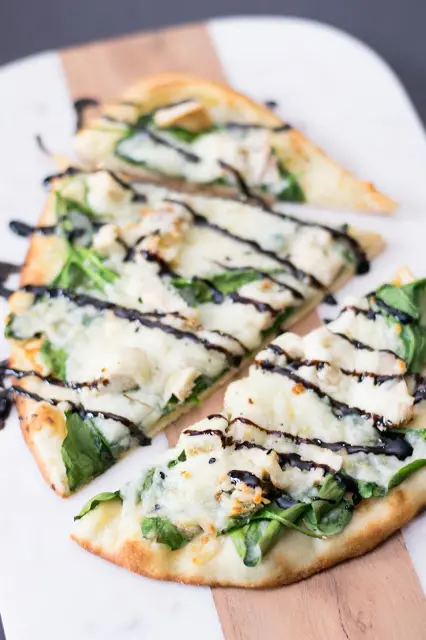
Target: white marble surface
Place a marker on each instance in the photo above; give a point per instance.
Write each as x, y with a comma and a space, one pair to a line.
345, 97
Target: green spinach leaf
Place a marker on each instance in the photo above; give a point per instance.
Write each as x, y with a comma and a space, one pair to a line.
83, 267
194, 291
94, 502
54, 359
332, 522
278, 322
330, 512
406, 471
202, 383
148, 480
255, 539
85, 451
409, 299
162, 530
181, 458
290, 189
197, 291
370, 489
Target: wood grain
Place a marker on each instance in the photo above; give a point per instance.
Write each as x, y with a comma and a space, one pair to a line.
376, 597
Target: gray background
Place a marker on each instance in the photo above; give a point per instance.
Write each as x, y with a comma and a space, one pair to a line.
395, 28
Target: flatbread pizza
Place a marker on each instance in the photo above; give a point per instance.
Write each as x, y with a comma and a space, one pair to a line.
137, 301
315, 458
179, 128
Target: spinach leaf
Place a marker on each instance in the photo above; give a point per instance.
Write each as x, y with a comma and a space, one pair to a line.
55, 359
330, 513
278, 322
181, 458
185, 135
8, 330
148, 480
411, 300
290, 189
255, 539
85, 451
406, 471
287, 517
94, 502
194, 291
202, 383
83, 267
370, 489
64, 206
171, 404
332, 522
329, 495
162, 530
230, 281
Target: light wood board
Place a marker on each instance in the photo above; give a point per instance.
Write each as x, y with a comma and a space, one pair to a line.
377, 596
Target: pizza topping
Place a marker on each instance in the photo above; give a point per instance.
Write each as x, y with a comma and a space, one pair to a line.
279, 462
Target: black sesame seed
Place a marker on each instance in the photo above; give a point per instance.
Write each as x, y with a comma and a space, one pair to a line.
162, 475
156, 507
212, 460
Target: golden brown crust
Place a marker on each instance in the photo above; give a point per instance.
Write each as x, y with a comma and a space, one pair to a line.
324, 182
293, 558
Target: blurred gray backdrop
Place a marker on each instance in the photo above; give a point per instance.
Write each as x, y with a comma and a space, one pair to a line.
395, 28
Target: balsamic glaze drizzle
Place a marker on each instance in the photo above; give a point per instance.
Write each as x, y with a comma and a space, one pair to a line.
134, 430
390, 444
80, 107
401, 316
24, 230
329, 299
295, 364
132, 315
6, 370
7, 269
340, 409
40, 144
202, 221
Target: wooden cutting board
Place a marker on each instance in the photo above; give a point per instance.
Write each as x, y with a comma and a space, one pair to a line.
377, 596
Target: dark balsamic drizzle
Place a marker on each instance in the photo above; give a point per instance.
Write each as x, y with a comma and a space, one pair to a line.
329, 299
24, 230
40, 144
7, 269
249, 479
320, 364
132, 315
390, 444
340, 409
401, 316
420, 388
209, 432
5, 370
80, 107
271, 104
202, 221
285, 459
134, 430
69, 171
362, 346
189, 157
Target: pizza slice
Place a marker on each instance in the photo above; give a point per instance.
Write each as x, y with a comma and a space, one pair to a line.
316, 458
137, 301
180, 128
